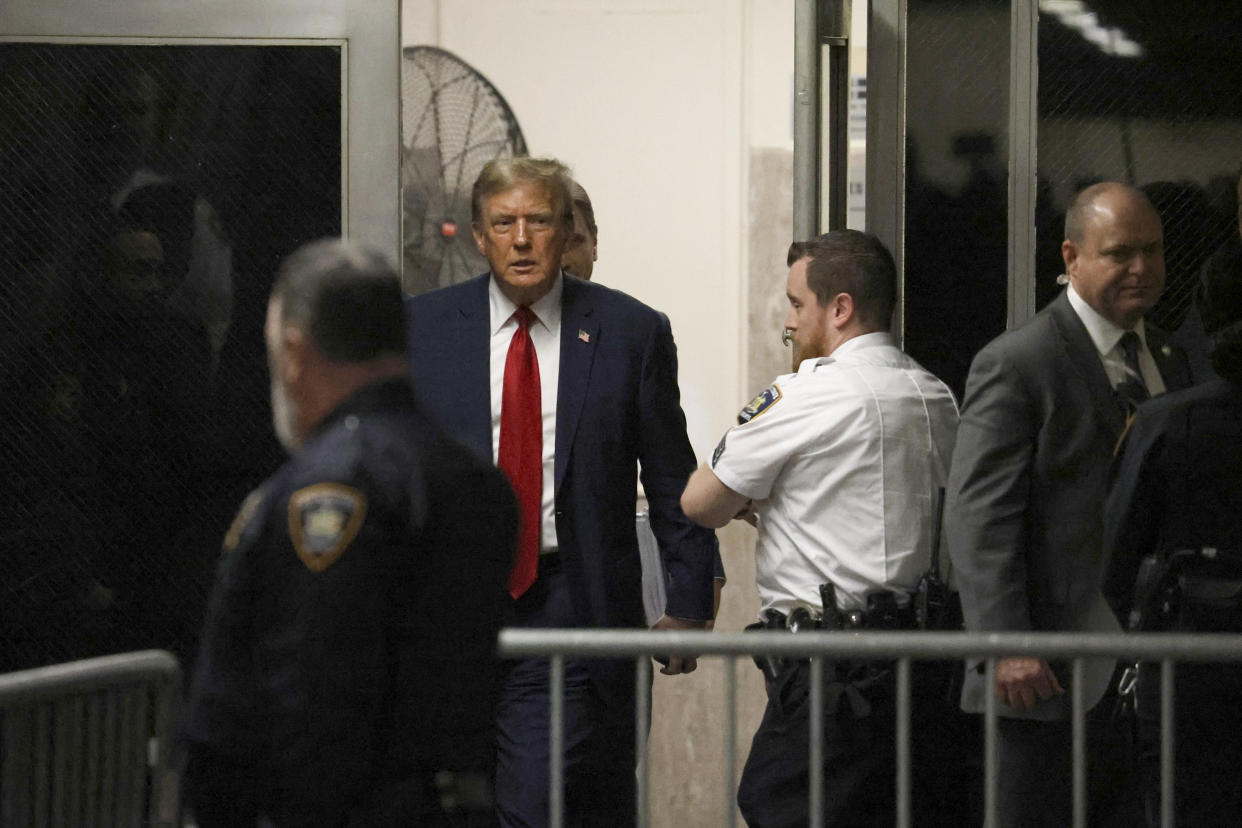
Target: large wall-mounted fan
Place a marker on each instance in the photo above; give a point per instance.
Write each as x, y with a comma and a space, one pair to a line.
453, 122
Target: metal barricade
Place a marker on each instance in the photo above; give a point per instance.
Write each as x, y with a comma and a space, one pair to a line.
89, 743
902, 647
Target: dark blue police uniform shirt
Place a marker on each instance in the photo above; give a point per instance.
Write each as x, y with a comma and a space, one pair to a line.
350, 637
1178, 485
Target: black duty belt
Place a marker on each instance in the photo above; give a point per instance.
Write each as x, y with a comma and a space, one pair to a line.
903, 619
890, 617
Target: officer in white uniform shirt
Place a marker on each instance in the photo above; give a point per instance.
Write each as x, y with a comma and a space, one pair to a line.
842, 462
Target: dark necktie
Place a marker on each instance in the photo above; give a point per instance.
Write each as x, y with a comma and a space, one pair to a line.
520, 455
1131, 390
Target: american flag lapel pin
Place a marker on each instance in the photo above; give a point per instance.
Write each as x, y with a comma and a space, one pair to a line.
583, 335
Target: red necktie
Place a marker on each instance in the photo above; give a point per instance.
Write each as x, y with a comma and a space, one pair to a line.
521, 448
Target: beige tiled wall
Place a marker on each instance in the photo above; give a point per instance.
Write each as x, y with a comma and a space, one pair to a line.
770, 206
688, 712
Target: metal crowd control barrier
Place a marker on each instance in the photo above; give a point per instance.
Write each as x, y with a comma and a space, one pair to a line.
902, 647
89, 743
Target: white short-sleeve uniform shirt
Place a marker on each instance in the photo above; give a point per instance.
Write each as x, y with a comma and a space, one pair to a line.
843, 461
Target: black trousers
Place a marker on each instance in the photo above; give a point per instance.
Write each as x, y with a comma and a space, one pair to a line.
859, 770
1207, 715
1035, 778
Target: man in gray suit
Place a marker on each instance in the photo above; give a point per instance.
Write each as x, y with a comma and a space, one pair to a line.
1045, 405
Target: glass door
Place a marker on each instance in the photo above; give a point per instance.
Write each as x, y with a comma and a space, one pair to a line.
157, 167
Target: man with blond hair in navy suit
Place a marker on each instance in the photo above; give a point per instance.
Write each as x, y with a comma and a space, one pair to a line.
567, 386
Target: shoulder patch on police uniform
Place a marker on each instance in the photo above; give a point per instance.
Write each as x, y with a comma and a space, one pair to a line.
720, 447
244, 515
323, 520
770, 397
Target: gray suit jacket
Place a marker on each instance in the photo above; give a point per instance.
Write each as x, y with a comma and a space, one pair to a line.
1023, 511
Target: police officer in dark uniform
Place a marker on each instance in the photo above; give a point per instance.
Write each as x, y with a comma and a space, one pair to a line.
1173, 530
346, 675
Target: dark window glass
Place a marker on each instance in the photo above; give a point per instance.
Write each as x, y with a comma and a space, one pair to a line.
148, 194
957, 113
1149, 94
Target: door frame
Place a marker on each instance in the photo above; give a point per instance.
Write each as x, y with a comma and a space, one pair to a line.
368, 32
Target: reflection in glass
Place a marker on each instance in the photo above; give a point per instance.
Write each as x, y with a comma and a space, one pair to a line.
1129, 92
149, 192
956, 256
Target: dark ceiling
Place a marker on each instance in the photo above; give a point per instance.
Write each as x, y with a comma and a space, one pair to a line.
1192, 67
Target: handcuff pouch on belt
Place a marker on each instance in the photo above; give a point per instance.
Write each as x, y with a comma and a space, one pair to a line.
1188, 590
881, 612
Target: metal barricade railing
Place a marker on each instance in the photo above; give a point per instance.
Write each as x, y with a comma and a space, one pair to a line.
90, 743
901, 647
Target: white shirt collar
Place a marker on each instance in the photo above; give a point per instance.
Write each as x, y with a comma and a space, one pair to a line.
1104, 334
547, 309
875, 339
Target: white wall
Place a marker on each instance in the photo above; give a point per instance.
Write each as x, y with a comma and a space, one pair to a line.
644, 101
770, 74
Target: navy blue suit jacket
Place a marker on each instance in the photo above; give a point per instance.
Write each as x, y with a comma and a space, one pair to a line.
617, 405
1179, 485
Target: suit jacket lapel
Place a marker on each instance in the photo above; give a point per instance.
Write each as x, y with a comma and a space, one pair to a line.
472, 345
579, 338
1080, 352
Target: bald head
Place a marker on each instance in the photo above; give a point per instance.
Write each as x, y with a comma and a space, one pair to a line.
1114, 251
1087, 204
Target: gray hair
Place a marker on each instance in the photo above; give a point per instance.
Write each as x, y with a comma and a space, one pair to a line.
348, 298
583, 202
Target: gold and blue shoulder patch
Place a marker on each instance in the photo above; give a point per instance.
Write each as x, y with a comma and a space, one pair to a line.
768, 398
323, 520
244, 515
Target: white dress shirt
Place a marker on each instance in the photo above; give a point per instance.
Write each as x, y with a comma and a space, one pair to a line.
849, 458
1107, 339
545, 333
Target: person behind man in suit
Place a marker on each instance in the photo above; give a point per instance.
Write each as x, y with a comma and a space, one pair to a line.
582, 249
581, 253
1174, 513
1045, 405
347, 671
567, 386
1223, 265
